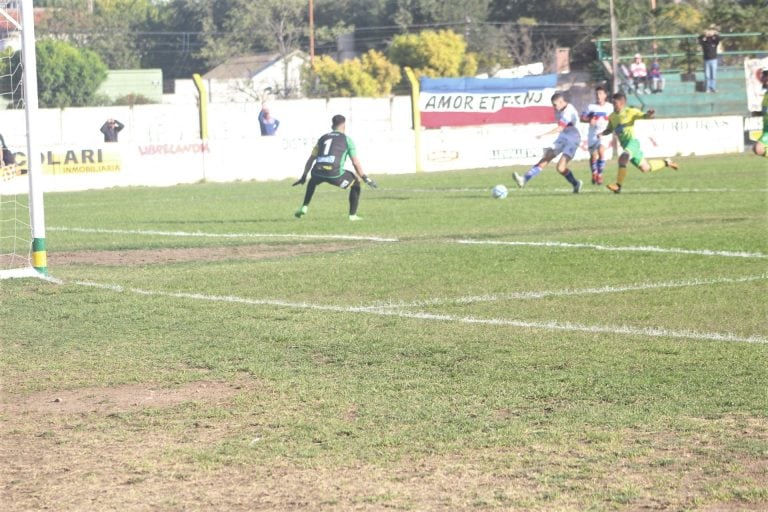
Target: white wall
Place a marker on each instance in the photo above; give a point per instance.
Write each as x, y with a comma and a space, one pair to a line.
161, 146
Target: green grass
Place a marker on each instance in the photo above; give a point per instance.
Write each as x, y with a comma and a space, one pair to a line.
639, 379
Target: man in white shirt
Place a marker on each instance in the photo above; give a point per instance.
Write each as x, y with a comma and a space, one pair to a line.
639, 74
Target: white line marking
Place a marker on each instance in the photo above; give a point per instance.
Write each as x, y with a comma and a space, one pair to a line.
546, 191
567, 293
562, 245
200, 234
566, 326
598, 247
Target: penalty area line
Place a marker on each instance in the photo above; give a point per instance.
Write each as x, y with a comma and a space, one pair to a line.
599, 290
631, 248
551, 326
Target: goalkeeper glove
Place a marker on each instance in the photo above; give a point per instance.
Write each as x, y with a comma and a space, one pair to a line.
368, 181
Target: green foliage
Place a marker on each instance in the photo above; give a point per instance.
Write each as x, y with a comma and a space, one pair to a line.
133, 99
340, 79
370, 76
67, 76
386, 74
678, 19
185, 29
441, 53
238, 27
442, 11
114, 29
186, 36
733, 16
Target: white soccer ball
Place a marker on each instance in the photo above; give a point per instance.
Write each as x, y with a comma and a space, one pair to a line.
499, 192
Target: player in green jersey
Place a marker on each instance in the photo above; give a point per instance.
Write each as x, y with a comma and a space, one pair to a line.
622, 121
327, 165
762, 142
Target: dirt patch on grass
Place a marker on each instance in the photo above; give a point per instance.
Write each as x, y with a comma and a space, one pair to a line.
170, 255
112, 400
191, 447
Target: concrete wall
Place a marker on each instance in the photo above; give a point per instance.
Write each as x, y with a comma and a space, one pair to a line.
161, 145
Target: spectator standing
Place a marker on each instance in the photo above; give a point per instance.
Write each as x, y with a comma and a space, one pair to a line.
110, 129
267, 123
639, 74
709, 42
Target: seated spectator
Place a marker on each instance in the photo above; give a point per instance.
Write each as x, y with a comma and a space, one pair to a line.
639, 74
657, 81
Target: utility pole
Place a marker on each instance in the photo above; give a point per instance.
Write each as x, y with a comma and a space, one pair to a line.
311, 35
614, 48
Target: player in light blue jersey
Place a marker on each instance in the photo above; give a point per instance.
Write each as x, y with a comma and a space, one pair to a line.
596, 115
566, 144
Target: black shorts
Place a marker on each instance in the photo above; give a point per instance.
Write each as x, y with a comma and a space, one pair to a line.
343, 181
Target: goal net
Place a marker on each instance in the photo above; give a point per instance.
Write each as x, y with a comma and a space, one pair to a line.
22, 232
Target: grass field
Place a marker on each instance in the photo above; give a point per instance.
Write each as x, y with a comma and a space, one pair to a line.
204, 350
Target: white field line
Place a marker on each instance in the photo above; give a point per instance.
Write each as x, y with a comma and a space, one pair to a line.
552, 325
546, 191
566, 292
200, 234
562, 245
599, 247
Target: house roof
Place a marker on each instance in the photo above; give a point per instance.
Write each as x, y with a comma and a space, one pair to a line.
246, 66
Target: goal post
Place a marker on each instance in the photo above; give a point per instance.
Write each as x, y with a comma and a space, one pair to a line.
22, 218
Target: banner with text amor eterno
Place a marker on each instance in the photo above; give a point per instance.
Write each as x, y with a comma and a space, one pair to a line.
479, 101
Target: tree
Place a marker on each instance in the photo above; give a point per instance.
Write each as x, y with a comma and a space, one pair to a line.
372, 75
66, 76
238, 27
114, 29
432, 53
178, 34
446, 12
280, 26
386, 74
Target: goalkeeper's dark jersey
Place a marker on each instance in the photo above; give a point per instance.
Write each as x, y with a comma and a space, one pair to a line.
330, 153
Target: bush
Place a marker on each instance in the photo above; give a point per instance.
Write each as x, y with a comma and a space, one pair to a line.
133, 99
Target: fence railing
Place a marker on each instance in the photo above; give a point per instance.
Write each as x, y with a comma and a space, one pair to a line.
683, 52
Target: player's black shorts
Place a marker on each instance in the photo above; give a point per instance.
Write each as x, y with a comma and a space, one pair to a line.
343, 181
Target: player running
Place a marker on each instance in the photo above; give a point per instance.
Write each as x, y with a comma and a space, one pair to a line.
327, 165
622, 122
596, 115
760, 147
567, 143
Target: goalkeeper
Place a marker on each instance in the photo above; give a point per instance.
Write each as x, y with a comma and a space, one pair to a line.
327, 166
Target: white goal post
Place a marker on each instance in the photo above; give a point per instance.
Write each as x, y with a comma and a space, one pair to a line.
22, 219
